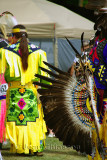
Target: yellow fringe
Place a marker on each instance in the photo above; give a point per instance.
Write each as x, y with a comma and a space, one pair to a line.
16, 70
103, 137
25, 138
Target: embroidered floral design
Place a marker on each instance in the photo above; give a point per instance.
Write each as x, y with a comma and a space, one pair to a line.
30, 110
32, 46
21, 103
12, 109
22, 108
16, 47
29, 48
12, 95
12, 46
31, 96
21, 117
22, 91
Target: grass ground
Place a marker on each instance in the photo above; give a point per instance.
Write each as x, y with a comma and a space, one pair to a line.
55, 150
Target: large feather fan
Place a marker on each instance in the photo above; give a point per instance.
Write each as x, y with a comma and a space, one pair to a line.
65, 108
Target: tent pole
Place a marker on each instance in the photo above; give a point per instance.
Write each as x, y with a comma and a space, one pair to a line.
56, 52
55, 49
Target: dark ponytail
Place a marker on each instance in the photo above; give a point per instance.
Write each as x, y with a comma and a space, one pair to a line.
24, 52
23, 45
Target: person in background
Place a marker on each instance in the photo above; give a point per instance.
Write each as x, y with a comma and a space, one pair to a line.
85, 49
76, 64
10, 39
98, 68
3, 89
25, 125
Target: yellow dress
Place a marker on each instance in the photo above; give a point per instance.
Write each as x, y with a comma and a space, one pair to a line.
25, 125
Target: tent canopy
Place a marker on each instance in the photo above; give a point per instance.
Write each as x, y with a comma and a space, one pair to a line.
45, 19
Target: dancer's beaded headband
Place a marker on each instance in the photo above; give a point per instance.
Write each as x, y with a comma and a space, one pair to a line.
15, 30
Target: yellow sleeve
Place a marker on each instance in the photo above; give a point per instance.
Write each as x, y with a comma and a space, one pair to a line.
2, 60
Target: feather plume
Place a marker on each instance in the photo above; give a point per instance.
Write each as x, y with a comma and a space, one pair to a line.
56, 69
82, 39
9, 18
43, 85
65, 110
54, 75
50, 79
75, 50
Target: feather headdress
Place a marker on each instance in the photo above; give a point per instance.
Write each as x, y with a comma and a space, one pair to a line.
10, 21
9, 18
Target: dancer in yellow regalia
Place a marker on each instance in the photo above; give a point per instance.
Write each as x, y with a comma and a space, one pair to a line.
25, 126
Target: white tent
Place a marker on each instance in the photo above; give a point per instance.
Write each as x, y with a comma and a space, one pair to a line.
45, 19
